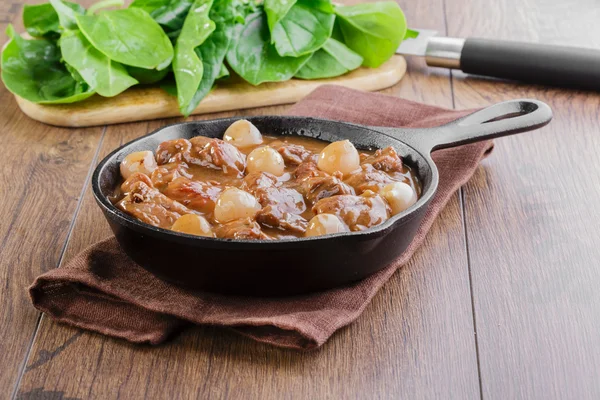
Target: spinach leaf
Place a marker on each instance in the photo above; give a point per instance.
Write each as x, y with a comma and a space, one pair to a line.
75, 74
333, 59
170, 14
147, 76
337, 31
129, 36
276, 10
67, 12
40, 19
223, 72
411, 34
303, 30
322, 5
373, 30
169, 86
31, 69
255, 59
174, 35
108, 78
104, 4
225, 14
187, 66
245, 8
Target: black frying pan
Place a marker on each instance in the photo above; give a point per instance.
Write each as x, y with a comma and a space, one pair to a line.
292, 266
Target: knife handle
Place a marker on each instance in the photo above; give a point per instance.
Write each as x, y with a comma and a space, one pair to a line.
533, 63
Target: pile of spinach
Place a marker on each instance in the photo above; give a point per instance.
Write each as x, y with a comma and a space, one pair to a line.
185, 46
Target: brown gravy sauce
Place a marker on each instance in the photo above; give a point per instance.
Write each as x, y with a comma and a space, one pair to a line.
203, 174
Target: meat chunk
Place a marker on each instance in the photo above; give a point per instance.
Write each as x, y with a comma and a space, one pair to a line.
358, 212
200, 196
385, 160
275, 217
169, 172
315, 184
151, 206
286, 199
258, 180
217, 154
245, 228
368, 178
224, 156
308, 169
268, 192
281, 205
293, 154
133, 178
317, 188
198, 142
172, 150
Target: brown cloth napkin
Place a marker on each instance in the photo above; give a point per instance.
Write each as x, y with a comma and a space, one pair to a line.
103, 291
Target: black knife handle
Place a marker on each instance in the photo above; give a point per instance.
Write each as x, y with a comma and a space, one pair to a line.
533, 63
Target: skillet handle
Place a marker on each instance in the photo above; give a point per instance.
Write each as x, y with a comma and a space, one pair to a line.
502, 119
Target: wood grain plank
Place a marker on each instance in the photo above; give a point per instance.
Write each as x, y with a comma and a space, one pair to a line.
40, 186
415, 340
532, 216
41, 190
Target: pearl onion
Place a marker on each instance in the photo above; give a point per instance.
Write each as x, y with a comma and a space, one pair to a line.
399, 195
242, 133
234, 203
265, 159
339, 156
194, 225
140, 161
323, 224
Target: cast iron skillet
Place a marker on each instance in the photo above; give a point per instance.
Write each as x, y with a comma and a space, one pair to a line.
293, 266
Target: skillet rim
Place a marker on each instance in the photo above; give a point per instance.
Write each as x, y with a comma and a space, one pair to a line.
375, 231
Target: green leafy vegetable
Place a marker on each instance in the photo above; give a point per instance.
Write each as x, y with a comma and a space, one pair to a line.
411, 34
108, 78
182, 45
40, 19
303, 30
174, 35
147, 76
187, 66
129, 36
373, 30
255, 59
32, 70
223, 72
169, 86
336, 33
276, 10
333, 59
225, 14
67, 13
104, 4
168, 13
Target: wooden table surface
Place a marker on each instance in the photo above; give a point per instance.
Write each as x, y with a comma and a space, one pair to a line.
502, 301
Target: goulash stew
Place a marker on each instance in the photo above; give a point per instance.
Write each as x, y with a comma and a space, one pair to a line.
252, 186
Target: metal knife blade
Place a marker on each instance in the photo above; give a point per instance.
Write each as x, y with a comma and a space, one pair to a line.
438, 51
416, 46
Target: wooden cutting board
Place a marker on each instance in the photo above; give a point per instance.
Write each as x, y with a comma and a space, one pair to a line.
143, 103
